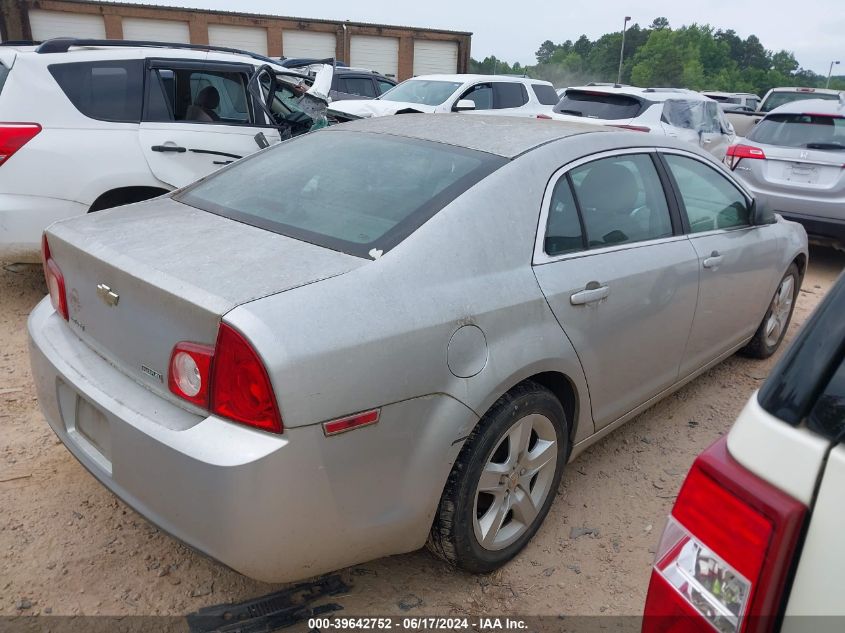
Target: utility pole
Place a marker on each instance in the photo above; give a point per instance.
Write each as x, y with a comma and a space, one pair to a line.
622, 49
829, 73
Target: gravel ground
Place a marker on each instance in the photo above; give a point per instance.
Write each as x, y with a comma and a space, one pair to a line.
67, 546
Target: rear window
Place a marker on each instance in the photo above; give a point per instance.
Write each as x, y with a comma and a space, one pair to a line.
352, 192
779, 98
813, 131
103, 90
545, 94
599, 105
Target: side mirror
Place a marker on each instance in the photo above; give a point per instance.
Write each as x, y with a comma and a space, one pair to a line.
463, 105
761, 213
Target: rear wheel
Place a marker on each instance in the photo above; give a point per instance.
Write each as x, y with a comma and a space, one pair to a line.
503, 482
773, 328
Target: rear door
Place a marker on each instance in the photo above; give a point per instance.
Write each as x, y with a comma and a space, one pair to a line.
739, 262
619, 276
198, 117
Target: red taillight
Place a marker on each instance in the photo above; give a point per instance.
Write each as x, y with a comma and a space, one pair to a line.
13, 136
543, 116
635, 128
240, 386
736, 153
726, 552
189, 373
54, 278
228, 379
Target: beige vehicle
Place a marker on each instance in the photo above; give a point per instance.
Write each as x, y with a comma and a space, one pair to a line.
743, 120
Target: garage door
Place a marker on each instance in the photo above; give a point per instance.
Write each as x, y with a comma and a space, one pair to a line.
375, 53
432, 58
308, 44
156, 30
247, 38
49, 24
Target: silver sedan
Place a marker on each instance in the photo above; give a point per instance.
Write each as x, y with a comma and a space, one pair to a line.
396, 331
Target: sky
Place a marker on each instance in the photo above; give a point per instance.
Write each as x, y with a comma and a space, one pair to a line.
814, 30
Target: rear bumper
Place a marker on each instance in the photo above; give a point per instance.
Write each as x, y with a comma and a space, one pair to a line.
24, 218
274, 507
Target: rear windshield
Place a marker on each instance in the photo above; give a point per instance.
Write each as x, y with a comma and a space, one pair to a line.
598, 105
814, 131
779, 98
422, 91
545, 94
352, 192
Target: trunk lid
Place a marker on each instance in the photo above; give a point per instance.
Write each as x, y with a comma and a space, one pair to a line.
175, 271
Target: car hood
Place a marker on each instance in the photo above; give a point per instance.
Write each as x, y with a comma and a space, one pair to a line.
376, 107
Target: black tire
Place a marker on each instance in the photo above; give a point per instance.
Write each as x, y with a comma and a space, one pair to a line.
452, 537
757, 347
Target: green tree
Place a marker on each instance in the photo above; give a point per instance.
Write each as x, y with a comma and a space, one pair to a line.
659, 23
545, 52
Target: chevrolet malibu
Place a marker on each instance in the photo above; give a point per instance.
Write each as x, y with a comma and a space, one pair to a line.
396, 331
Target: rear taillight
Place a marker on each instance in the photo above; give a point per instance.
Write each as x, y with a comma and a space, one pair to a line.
190, 372
228, 379
543, 116
240, 386
13, 136
736, 153
726, 552
635, 128
54, 278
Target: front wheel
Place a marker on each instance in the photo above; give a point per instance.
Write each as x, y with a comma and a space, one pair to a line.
773, 328
503, 482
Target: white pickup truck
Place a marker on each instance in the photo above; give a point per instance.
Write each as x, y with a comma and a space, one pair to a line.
755, 541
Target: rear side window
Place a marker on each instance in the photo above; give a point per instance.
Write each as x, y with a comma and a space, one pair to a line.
361, 86
814, 131
103, 90
621, 200
597, 105
353, 192
564, 233
545, 94
509, 95
710, 201
701, 116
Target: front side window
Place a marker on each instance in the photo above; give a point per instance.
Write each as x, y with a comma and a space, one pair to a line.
103, 90
621, 200
422, 91
198, 96
813, 131
481, 95
353, 192
509, 94
710, 201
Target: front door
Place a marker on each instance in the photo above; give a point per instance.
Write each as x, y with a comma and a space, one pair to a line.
736, 259
620, 278
199, 117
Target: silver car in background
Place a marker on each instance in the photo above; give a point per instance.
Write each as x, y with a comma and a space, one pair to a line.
794, 161
396, 331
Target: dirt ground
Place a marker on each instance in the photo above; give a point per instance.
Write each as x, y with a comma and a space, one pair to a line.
67, 546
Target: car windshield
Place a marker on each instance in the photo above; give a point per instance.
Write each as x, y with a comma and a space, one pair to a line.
422, 91
814, 131
777, 99
352, 192
598, 105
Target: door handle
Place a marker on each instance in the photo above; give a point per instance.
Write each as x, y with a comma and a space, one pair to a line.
714, 260
592, 293
169, 148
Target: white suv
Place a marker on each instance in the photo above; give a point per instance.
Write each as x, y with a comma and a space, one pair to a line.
674, 112
754, 542
487, 94
91, 124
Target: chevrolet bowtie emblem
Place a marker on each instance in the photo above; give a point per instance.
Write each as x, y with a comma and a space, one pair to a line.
105, 293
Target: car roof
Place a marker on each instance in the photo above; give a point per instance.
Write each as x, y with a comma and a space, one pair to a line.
804, 89
651, 94
502, 135
463, 78
719, 93
815, 106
